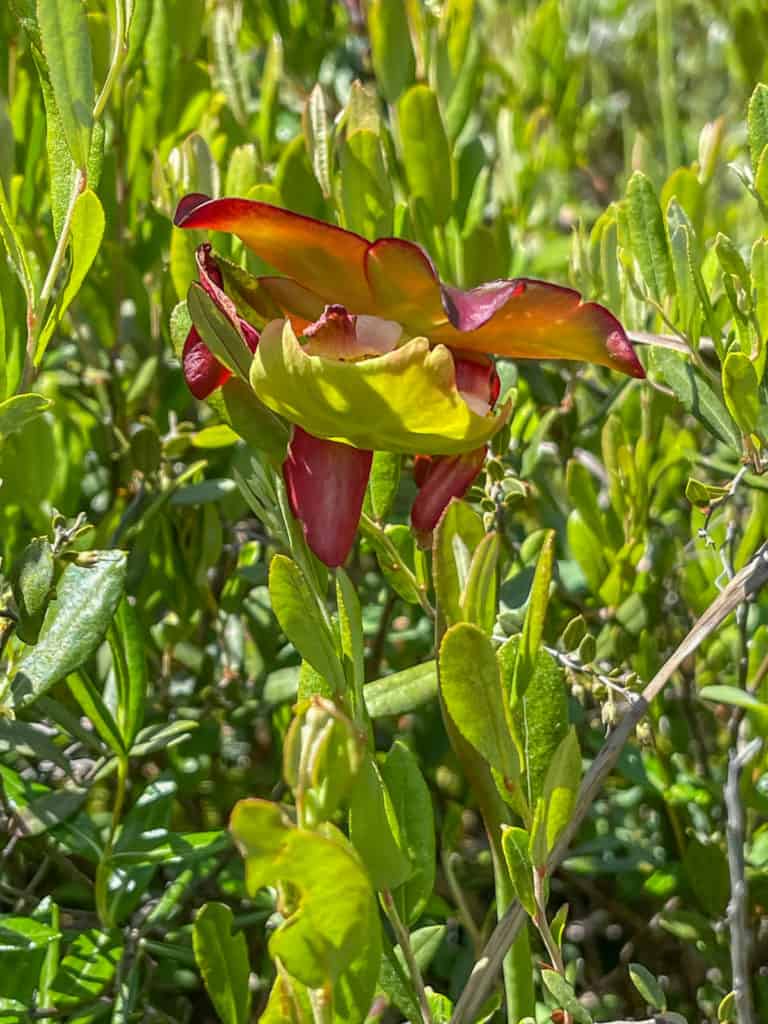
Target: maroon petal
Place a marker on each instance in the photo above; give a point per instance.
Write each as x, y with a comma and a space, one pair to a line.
202, 370
326, 484
448, 476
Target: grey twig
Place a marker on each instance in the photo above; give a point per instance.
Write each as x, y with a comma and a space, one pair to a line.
738, 911
741, 588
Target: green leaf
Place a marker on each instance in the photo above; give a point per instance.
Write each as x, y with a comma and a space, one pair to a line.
223, 961
648, 987
367, 199
383, 484
218, 332
24, 933
67, 47
391, 48
757, 123
128, 647
740, 390
87, 969
704, 495
350, 630
375, 831
413, 808
565, 997
253, 421
318, 132
300, 619
335, 922
402, 691
92, 705
732, 695
426, 152
471, 689
17, 411
479, 598
536, 613
648, 237
706, 869
696, 395
32, 582
558, 798
514, 843
87, 231
459, 532
87, 596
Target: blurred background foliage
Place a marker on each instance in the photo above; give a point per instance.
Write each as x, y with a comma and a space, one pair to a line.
602, 143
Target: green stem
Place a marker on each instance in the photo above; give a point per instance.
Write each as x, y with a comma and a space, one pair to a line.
105, 863
404, 940
666, 68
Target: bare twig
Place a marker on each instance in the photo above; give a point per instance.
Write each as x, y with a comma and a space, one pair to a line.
743, 586
738, 911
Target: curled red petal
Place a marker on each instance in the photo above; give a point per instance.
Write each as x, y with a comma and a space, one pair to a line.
202, 370
326, 484
448, 476
477, 379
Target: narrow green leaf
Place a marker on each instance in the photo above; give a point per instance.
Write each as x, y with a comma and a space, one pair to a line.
456, 538
218, 332
757, 123
471, 688
223, 961
300, 619
351, 630
402, 691
536, 613
130, 663
375, 830
514, 842
740, 390
426, 152
67, 47
648, 237
561, 786
648, 987
87, 596
696, 395
93, 706
391, 49
413, 808
478, 602
318, 132
383, 484
565, 996
87, 232
367, 200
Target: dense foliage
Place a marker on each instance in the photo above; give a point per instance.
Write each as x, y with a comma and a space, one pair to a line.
170, 646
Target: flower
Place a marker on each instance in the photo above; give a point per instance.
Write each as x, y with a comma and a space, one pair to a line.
390, 358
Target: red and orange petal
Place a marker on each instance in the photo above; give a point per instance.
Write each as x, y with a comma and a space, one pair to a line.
395, 279
202, 370
326, 484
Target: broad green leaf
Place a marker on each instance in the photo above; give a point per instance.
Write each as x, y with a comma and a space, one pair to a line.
300, 619
67, 47
565, 997
730, 259
426, 152
478, 603
395, 552
391, 48
459, 532
648, 987
223, 961
757, 123
402, 691
740, 390
17, 411
413, 808
536, 613
514, 842
648, 237
87, 968
696, 395
335, 922
87, 231
87, 596
375, 831
471, 689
